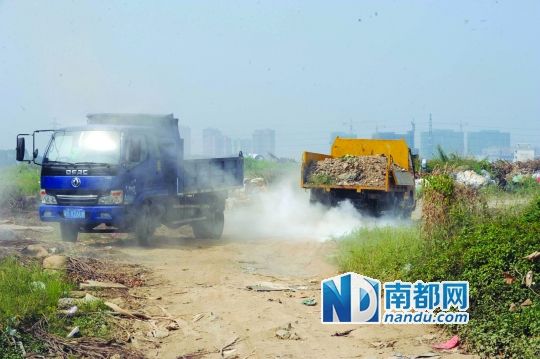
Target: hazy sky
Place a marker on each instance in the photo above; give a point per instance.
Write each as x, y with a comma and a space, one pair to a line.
303, 67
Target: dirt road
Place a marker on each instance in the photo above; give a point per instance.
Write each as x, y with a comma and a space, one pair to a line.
203, 283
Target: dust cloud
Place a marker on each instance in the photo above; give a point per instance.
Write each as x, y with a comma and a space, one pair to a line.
283, 211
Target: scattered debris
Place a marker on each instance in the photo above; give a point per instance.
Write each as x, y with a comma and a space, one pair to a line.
227, 350
94, 284
159, 333
64, 303
115, 308
513, 307
382, 345
509, 278
309, 302
449, 344
269, 287
344, 333
287, 333
527, 302
528, 280
84, 269
197, 317
533, 256
73, 333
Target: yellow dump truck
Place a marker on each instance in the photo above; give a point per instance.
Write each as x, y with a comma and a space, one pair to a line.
375, 175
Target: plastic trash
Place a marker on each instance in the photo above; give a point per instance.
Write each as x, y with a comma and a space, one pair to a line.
450, 344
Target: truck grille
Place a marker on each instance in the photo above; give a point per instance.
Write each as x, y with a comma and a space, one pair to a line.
76, 200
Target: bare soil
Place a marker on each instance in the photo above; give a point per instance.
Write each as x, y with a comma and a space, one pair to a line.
202, 284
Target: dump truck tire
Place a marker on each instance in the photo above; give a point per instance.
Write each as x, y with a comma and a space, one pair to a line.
145, 225
69, 232
210, 228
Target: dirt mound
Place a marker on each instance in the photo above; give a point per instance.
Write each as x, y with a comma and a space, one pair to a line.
349, 171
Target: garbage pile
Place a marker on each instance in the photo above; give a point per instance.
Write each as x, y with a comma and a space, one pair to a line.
472, 179
349, 171
515, 172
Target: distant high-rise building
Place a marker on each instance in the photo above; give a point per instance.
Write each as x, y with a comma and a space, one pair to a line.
213, 143
185, 134
449, 140
264, 142
227, 146
481, 141
340, 134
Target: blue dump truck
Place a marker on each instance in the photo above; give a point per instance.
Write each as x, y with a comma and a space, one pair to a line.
127, 173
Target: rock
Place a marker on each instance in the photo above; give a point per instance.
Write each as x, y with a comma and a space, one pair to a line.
55, 262
35, 250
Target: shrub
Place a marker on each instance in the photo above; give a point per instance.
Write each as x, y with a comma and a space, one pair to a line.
481, 254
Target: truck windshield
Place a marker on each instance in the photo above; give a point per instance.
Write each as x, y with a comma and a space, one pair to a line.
99, 147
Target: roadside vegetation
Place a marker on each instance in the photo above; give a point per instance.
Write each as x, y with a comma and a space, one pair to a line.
16, 184
271, 171
461, 237
30, 321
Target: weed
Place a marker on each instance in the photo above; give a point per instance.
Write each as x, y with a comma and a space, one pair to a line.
27, 292
385, 253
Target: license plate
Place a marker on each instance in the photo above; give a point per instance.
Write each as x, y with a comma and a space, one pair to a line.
74, 213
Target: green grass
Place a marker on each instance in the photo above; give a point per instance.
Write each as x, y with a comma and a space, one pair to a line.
27, 292
22, 178
270, 171
476, 244
385, 253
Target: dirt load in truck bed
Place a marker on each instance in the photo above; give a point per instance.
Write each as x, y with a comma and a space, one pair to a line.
349, 171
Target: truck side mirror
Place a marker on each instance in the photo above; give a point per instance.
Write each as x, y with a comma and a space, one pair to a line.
35, 154
134, 154
20, 149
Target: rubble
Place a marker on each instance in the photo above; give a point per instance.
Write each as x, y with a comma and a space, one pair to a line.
349, 171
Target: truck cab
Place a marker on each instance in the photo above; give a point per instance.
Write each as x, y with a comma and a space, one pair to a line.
127, 173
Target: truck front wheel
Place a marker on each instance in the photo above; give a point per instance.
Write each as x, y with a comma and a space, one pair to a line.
210, 228
145, 225
69, 232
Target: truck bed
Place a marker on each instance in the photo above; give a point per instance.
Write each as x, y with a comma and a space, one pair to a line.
210, 175
310, 157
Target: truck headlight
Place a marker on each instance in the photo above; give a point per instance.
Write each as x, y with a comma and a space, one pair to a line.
47, 198
115, 197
